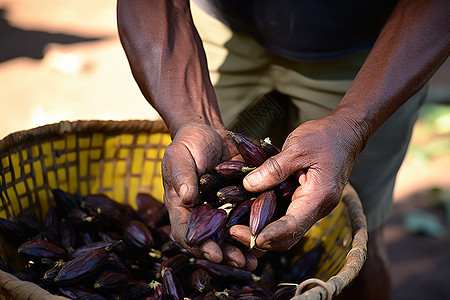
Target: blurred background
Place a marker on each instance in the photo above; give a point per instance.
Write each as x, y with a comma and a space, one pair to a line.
62, 60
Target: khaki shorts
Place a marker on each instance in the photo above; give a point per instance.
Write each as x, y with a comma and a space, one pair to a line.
262, 94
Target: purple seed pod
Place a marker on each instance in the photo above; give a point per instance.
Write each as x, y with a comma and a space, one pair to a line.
233, 194
204, 221
268, 147
261, 213
252, 154
233, 169
240, 214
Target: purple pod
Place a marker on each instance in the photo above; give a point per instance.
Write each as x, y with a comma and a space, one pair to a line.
171, 285
268, 147
200, 280
219, 236
151, 211
285, 292
110, 280
138, 236
76, 292
81, 267
204, 221
225, 271
261, 213
68, 235
40, 249
65, 202
233, 194
252, 154
176, 263
233, 169
84, 249
207, 183
288, 187
240, 214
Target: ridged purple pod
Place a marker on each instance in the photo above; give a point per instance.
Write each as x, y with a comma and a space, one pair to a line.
138, 236
268, 147
287, 187
285, 292
207, 183
225, 271
81, 267
200, 280
204, 221
240, 214
82, 250
261, 213
233, 194
76, 292
171, 284
150, 210
40, 249
252, 154
233, 169
110, 280
176, 263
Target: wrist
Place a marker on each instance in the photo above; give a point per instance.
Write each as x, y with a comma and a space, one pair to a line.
352, 129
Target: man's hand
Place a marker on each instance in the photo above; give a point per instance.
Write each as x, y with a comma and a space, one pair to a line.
195, 149
321, 153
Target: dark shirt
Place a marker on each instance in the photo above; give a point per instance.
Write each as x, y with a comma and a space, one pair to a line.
303, 30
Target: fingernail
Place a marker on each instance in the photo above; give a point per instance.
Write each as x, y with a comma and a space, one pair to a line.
207, 256
183, 191
232, 263
266, 243
254, 179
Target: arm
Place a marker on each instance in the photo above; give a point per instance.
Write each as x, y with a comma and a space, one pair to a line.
168, 61
169, 64
413, 44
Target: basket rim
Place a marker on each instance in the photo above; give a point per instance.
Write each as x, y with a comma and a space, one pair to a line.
18, 138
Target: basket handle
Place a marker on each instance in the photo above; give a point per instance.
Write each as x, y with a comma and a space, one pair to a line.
326, 286
356, 257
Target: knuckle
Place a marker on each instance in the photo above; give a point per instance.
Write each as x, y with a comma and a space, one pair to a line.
274, 168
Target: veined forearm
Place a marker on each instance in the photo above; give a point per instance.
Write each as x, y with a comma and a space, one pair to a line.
168, 61
414, 43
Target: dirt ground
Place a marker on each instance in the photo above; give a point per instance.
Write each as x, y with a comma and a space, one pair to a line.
62, 60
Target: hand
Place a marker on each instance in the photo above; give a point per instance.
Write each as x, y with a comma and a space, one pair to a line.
195, 149
321, 154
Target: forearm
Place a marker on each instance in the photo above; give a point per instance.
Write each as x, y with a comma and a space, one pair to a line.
413, 44
168, 61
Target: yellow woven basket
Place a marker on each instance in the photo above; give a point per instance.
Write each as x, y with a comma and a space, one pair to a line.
121, 159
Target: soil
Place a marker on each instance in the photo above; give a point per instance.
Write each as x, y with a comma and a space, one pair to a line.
62, 60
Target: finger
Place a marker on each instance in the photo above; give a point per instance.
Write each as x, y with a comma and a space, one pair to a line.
241, 233
211, 251
289, 229
179, 171
272, 172
251, 261
233, 256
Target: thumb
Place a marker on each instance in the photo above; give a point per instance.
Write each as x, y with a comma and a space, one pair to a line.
272, 172
181, 175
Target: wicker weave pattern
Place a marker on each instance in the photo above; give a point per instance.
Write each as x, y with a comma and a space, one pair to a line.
117, 163
121, 159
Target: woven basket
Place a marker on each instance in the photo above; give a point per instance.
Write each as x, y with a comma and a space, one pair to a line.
121, 159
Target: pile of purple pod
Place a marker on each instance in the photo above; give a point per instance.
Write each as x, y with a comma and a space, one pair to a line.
93, 247
223, 201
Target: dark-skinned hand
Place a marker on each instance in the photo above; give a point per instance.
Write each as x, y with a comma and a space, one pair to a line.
195, 149
321, 154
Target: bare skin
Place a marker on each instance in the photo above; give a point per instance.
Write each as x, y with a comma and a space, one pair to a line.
168, 62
